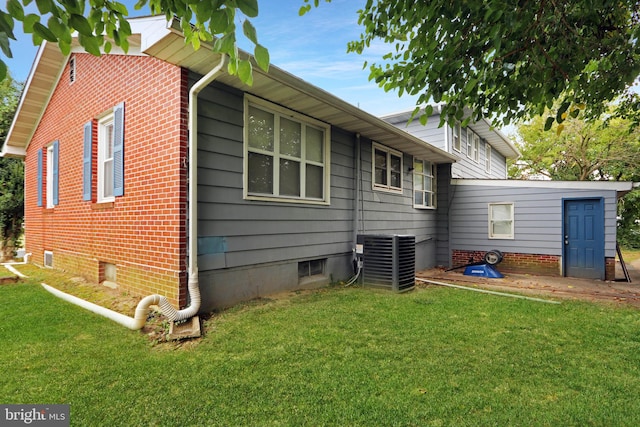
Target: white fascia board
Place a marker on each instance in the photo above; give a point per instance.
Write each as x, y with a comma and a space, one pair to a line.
568, 185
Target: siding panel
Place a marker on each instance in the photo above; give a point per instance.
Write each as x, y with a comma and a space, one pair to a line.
538, 218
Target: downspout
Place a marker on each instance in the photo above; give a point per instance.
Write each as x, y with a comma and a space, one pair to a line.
357, 250
140, 317
193, 283
356, 205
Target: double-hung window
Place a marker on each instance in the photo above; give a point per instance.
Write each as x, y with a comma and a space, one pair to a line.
109, 169
457, 136
48, 175
286, 154
105, 159
424, 184
473, 145
501, 221
387, 169
487, 159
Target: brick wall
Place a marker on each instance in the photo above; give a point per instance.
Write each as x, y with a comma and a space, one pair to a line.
515, 262
143, 232
527, 263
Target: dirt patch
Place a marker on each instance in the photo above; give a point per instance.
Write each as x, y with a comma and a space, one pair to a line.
617, 292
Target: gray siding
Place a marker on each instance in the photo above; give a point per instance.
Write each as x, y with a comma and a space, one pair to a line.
444, 201
234, 232
442, 138
392, 213
250, 248
466, 167
430, 132
537, 213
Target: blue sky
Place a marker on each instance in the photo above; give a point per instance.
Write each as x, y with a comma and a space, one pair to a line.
312, 47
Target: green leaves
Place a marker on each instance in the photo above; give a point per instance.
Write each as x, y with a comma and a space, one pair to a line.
248, 7
262, 57
503, 60
101, 24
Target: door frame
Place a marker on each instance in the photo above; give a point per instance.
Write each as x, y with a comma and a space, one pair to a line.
601, 263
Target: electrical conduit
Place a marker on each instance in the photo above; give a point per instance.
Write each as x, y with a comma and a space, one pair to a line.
140, 317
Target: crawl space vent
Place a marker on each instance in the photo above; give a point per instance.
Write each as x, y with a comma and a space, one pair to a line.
48, 259
389, 261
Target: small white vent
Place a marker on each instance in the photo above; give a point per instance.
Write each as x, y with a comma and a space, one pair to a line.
48, 259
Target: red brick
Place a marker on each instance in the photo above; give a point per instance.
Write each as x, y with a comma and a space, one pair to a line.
128, 232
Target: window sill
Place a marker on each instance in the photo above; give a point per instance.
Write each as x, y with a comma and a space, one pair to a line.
428, 208
48, 210
102, 206
389, 190
287, 200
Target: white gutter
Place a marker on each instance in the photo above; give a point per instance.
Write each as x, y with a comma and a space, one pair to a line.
138, 321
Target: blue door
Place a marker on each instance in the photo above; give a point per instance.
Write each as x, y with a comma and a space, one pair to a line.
584, 238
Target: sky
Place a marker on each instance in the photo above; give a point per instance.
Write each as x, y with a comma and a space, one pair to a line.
312, 47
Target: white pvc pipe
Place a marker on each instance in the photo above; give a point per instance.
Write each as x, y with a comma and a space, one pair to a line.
193, 284
134, 323
485, 291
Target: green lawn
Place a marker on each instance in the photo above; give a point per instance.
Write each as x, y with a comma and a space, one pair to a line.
432, 357
630, 255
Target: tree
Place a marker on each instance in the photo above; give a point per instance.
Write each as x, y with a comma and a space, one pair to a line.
577, 150
502, 59
102, 23
11, 176
585, 151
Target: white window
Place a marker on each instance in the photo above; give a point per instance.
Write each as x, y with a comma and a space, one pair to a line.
501, 221
473, 145
424, 184
387, 169
286, 154
50, 179
487, 160
457, 136
105, 158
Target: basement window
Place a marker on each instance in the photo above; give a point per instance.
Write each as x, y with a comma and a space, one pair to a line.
314, 267
48, 259
108, 275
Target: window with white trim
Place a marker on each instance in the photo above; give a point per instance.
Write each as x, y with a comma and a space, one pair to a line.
424, 184
473, 145
50, 159
501, 221
457, 136
48, 175
105, 158
487, 160
109, 168
286, 154
387, 169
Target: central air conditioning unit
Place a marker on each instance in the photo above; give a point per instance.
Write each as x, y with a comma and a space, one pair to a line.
389, 261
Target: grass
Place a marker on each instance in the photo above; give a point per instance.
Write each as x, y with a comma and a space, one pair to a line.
630, 255
337, 356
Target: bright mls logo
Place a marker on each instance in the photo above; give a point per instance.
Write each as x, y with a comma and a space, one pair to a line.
35, 415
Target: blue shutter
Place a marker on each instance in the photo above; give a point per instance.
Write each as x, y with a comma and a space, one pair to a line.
40, 180
55, 173
118, 150
87, 155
